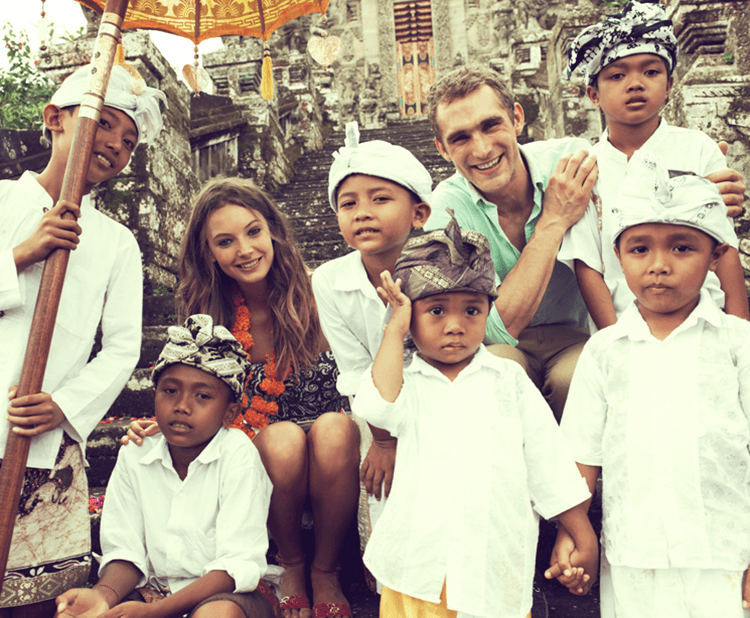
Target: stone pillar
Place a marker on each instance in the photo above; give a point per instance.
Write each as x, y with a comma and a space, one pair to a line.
152, 196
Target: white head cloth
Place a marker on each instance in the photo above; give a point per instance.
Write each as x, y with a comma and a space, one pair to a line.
652, 194
125, 92
377, 158
641, 28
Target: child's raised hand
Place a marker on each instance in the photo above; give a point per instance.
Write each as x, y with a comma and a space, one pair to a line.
138, 430
53, 232
33, 414
391, 292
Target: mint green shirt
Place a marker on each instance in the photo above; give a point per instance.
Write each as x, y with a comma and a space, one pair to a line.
562, 302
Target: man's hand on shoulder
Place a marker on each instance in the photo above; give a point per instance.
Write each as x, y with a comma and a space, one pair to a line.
569, 190
53, 232
730, 186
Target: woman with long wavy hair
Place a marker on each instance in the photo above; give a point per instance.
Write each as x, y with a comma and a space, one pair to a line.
240, 265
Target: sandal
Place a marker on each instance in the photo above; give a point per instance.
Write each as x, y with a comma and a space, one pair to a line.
329, 610
295, 601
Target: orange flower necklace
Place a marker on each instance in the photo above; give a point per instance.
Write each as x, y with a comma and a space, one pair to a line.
254, 416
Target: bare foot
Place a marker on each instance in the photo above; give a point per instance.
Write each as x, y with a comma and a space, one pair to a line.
293, 584
327, 589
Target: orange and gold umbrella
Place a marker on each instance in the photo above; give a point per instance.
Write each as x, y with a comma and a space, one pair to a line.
199, 20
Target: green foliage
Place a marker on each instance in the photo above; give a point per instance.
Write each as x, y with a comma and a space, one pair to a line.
24, 90
728, 57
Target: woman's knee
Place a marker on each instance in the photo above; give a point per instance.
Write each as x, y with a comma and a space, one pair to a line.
283, 450
334, 438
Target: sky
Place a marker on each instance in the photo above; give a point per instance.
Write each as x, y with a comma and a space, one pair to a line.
68, 19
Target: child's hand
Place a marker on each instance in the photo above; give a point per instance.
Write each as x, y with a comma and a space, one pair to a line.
53, 232
574, 569
130, 609
80, 603
391, 292
377, 468
33, 414
139, 430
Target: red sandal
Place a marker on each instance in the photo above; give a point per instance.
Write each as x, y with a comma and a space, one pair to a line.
329, 610
295, 601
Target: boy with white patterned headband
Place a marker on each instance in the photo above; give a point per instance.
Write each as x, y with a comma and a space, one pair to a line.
628, 61
660, 405
51, 546
184, 521
479, 453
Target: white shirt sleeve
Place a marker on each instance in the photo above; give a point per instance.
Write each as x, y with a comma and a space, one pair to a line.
123, 535
85, 397
555, 484
241, 534
11, 287
583, 241
369, 405
585, 411
351, 354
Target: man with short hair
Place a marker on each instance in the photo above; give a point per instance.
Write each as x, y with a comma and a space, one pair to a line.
524, 199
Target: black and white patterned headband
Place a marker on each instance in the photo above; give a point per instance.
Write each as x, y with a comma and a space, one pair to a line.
641, 28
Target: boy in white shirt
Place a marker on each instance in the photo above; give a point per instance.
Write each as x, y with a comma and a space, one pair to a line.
627, 61
184, 521
380, 192
479, 452
51, 543
660, 404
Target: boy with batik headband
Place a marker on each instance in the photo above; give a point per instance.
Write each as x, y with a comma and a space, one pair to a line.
628, 61
660, 404
380, 192
51, 542
184, 522
477, 447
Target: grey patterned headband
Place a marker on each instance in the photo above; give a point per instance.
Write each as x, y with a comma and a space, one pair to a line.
209, 348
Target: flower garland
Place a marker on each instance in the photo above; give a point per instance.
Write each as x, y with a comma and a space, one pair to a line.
255, 414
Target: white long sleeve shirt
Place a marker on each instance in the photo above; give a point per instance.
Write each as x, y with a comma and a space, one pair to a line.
351, 316
477, 459
175, 531
669, 423
103, 283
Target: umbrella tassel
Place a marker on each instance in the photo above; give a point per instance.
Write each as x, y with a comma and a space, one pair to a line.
266, 81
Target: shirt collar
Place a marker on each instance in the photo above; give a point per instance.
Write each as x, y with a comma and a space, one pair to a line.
160, 451
351, 276
42, 199
631, 324
652, 143
419, 365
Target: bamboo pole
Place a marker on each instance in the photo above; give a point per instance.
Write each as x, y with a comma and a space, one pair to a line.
53, 276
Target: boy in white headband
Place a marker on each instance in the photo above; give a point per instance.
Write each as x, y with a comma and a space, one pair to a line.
627, 61
660, 404
380, 192
51, 543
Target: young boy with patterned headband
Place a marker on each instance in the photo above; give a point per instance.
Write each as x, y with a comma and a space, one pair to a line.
51, 543
479, 453
380, 192
184, 522
628, 60
660, 404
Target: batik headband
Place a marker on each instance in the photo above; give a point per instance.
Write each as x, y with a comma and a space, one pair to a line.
641, 28
448, 260
213, 349
377, 158
652, 194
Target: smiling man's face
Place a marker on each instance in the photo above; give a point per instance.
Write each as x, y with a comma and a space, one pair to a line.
479, 136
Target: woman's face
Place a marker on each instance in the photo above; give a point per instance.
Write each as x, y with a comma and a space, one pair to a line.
239, 241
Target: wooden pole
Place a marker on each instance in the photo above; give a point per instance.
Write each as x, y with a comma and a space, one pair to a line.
53, 276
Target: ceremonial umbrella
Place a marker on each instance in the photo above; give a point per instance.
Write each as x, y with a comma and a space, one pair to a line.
193, 19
